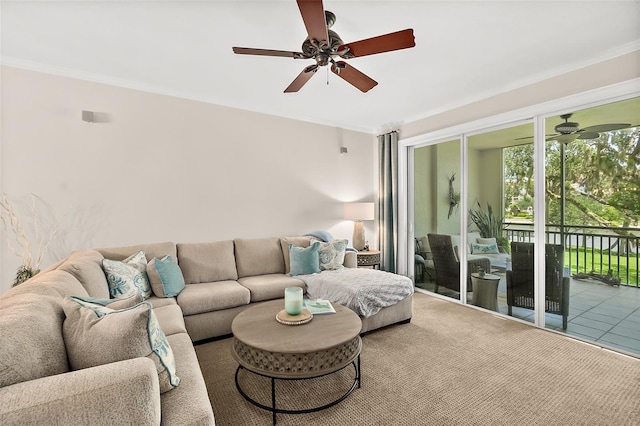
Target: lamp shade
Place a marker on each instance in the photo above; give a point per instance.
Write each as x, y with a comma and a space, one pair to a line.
359, 211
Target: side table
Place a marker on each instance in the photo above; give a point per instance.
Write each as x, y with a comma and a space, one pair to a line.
369, 258
485, 290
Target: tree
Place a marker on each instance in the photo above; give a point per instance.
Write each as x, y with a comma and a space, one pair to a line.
602, 182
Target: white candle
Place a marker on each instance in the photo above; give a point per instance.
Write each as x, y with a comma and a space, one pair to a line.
293, 300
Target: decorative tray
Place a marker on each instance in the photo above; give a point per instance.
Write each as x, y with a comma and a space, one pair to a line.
284, 318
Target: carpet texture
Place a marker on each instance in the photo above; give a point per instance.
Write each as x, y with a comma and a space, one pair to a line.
452, 365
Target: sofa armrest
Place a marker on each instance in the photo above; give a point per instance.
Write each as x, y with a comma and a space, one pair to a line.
350, 259
125, 392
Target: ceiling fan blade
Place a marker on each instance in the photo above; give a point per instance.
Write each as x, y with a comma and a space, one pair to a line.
301, 80
314, 19
352, 76
599, 128
588, 135
385, 43
266, 52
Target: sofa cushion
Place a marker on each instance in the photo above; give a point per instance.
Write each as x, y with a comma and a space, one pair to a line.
157, 302
170, 319
267, 287
127, 277
158, 250
31, 318
332, 254
305, 260
258, 256
93, 338
284, 245
207, 262
165, 277
86, 267
206, 297
188, 404
61, 281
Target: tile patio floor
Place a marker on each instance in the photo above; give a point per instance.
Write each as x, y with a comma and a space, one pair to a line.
598, 313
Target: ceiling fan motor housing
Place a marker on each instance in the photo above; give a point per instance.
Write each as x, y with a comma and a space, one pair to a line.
567, 127
312, 49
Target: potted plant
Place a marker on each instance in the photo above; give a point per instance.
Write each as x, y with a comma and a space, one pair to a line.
490, 226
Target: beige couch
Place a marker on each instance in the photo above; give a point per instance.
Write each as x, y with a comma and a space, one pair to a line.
222, 279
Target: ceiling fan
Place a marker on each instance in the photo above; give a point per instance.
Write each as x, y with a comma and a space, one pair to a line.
325, 46
570, 130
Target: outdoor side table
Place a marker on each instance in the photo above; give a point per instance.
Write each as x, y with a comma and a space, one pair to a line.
485, 290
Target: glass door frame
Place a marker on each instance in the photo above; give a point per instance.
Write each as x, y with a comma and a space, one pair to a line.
537, 114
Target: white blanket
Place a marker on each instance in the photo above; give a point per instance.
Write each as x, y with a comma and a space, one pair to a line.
364, 291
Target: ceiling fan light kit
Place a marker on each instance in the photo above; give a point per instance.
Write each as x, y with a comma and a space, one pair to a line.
325, 46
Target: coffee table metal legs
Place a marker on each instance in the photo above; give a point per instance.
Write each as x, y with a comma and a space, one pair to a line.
274, 410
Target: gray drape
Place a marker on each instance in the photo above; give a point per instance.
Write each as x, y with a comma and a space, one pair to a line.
387, 205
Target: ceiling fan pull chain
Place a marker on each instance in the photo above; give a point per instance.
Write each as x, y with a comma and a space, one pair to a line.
327, 76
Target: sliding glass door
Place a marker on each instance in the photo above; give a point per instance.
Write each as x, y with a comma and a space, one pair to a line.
437, 217
500, 195
593, 223
543, 229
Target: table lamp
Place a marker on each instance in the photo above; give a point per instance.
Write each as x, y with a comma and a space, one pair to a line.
358, 212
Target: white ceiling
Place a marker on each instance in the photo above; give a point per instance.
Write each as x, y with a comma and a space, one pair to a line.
465, 50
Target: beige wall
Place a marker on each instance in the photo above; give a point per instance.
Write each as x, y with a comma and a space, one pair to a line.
168, 169
485, 178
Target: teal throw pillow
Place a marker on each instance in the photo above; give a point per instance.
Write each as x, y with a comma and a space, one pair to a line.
332, 254
304, 261
165, 277
93, 338
127, 277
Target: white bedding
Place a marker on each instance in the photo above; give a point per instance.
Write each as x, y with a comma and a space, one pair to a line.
364, 291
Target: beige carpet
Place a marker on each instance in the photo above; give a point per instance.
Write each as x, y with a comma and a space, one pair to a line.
452, 365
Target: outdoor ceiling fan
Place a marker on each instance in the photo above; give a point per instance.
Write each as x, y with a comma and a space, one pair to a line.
570, 130
325, 47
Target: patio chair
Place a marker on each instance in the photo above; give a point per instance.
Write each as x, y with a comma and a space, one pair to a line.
520, 280
447, 265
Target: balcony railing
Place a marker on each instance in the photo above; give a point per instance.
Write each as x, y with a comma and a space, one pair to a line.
591, 249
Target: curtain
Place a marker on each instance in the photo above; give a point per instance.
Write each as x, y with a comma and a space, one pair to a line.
387, 204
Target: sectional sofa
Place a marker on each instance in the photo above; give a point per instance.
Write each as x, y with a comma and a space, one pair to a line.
37, 383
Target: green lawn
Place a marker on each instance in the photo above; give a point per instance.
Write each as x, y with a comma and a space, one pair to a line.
600, 261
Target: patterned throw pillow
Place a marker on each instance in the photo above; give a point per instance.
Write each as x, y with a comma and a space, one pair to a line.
127, 277
485, 249
486, 241
165, 277
104, 306
332, 254
95, 338
304, 261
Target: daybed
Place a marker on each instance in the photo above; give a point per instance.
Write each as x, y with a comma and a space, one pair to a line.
37, 383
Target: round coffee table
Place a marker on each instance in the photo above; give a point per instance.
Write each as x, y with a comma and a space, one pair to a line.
327, 344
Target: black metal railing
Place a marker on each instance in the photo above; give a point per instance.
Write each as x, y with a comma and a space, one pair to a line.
591, 249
